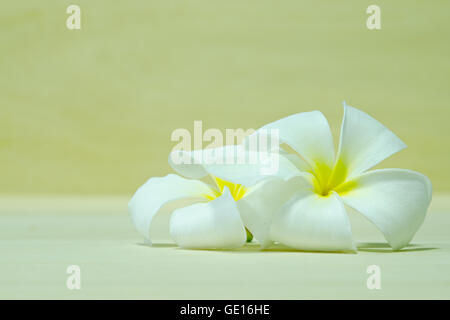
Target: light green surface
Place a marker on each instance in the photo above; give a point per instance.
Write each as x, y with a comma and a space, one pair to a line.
42, 237
91, 111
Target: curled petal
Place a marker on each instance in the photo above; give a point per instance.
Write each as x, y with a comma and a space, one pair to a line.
364, 142
159, 191
314, 223
212, 225
293, 157
395, 200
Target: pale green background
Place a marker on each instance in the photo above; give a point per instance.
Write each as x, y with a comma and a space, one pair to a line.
86, 117
91, 111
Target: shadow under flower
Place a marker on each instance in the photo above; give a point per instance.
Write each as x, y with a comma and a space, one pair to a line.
378, 247
254, 247
383, 247
279, 247
158, 244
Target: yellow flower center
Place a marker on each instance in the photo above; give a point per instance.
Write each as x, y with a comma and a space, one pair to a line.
331, 179
237, 190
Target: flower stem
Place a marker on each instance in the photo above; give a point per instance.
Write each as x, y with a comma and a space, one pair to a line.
249, 235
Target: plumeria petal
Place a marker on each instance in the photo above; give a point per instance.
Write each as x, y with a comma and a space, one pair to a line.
395, 200
187, 163
308, 133
314, 223
261, 201
364, 142
232, 163
294, 158
159, 191
212, 225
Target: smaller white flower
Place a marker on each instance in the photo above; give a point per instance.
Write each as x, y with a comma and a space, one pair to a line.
315, 218
210, 216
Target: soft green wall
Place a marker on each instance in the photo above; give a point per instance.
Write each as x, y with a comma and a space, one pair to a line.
91, 111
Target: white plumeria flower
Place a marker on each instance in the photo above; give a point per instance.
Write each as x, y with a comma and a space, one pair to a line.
210, 217
315, 218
